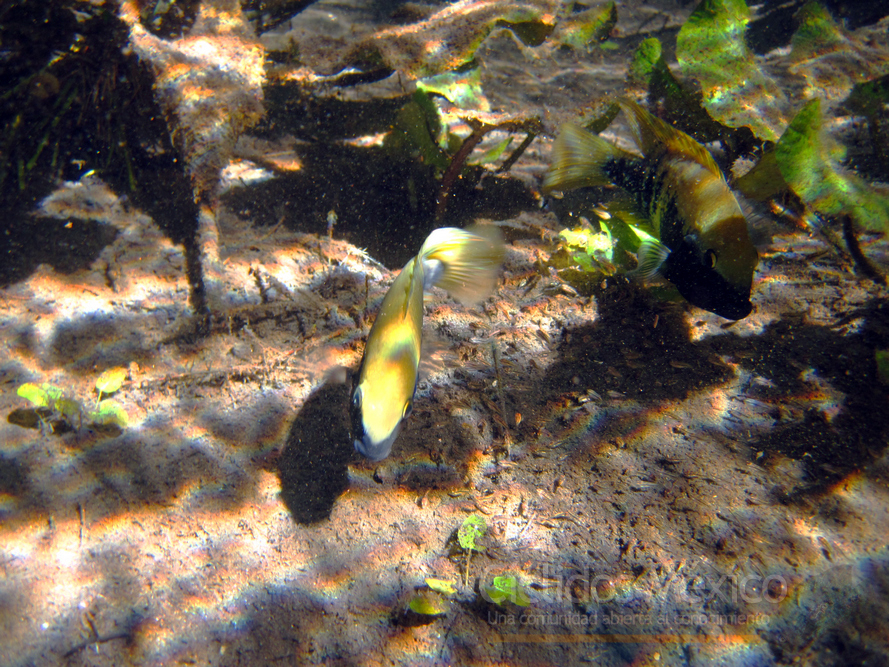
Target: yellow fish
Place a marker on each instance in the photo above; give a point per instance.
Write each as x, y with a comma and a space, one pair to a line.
702, 245
465, 264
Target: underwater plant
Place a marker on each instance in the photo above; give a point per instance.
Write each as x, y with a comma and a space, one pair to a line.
60, 411
507, 589
473, 527
418, 133
426, 605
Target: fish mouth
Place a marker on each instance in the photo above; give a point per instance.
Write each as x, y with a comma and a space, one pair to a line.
373, 451
705, 287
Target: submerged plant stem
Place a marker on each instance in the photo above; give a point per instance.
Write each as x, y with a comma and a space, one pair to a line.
866, 267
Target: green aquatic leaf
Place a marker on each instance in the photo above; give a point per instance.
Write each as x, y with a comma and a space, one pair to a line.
474, 526
109, 411
111, 380
711, 49
462, 89
492, 154
53, 393
443, 586
646, 57
593, 251
882, 359
69, 408
816, 34
591, 26
31, 392
415, 133
427, 604
764, 180
809, 164
827, 59
509, 589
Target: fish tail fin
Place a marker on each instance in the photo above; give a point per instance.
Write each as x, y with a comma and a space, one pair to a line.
579, 159
463, 262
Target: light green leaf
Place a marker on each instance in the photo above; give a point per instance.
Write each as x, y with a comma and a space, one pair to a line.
428, 605
807, 160
462, 89
52, 392
827, 60
110, 411
473, 527
443, 586
647, 55
69, 408
493, 154
508, 589
711, 49
33, 393
581, 29
111, 380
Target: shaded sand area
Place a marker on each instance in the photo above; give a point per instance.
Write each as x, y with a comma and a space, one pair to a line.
667, 487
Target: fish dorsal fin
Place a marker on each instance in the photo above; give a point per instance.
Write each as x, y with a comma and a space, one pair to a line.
653, 135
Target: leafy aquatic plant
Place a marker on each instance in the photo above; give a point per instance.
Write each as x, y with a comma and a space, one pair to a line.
60, 411
473, 527
427, 603
507, 589
736, 92
443, 586
806, 162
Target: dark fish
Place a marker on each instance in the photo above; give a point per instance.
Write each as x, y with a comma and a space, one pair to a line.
702, 244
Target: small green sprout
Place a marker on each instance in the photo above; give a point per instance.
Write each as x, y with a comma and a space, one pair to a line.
442, 586
38, 396
109, 412
591, 250
427, 603
54, 407
507, 589
110, 381
473, 527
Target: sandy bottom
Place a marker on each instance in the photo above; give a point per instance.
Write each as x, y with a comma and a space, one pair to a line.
667, 487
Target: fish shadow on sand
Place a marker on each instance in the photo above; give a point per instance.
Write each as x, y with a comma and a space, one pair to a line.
795, 357
313, 466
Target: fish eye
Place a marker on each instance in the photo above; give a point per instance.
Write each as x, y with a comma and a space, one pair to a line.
710, 257
408, 407
356, 398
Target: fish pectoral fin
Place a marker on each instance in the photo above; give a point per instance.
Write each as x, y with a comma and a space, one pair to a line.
651, 257
463, 262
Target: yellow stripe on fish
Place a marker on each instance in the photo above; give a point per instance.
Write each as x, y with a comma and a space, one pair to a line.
703, 246
463, 262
